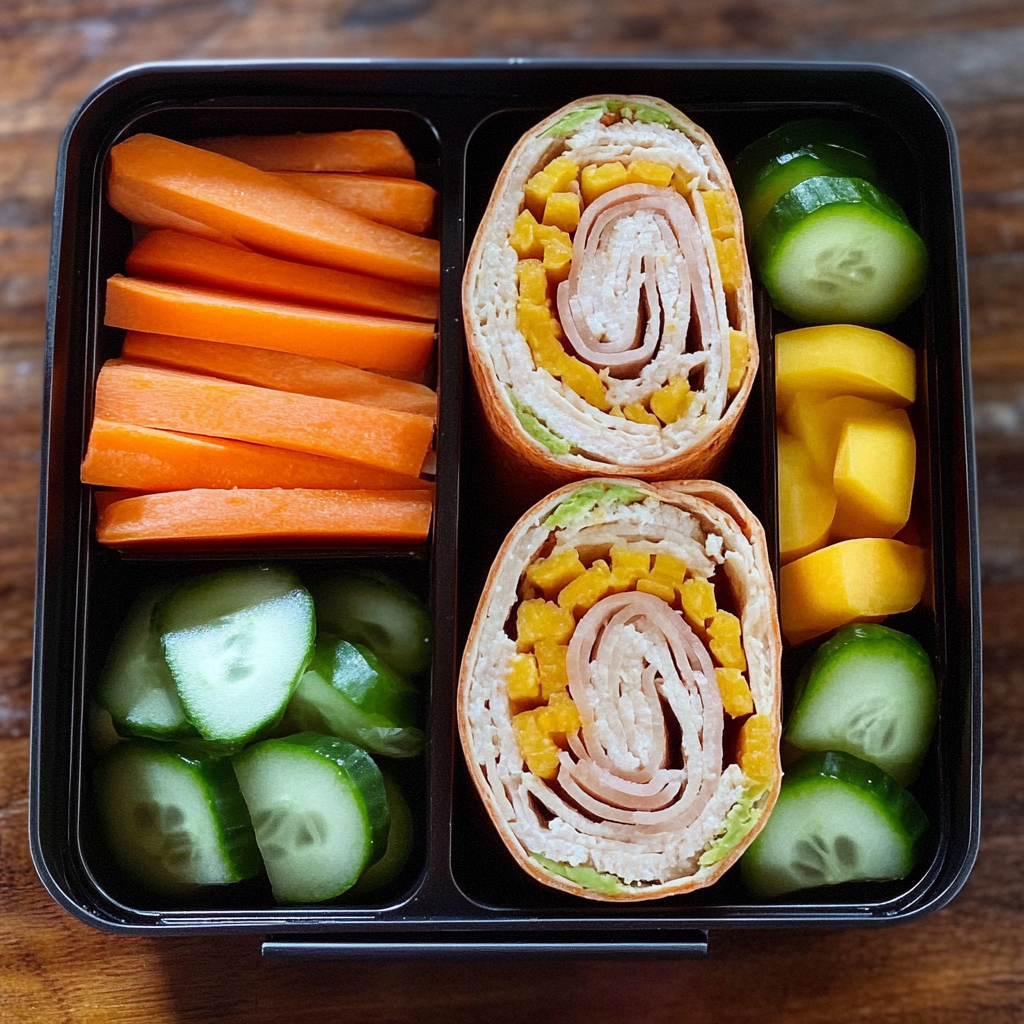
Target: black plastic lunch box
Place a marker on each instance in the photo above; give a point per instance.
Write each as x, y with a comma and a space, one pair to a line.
462, 895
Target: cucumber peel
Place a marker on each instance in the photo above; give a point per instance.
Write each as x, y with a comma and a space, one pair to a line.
837, 819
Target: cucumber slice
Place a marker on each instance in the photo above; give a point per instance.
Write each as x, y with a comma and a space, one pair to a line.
837, 819
136, 686
870, 691
237, 642
768, 169
349, 692
372, 609
836, 250
400, 835
320, 812
174, 820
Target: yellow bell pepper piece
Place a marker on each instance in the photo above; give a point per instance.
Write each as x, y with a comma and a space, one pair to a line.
559, 715
670, 402
736, 697
739, 353
698, 598
730, 263
550, 574
533, 282
537, 619
755, 750
659, 585
537, 747
562, 209
597, 179
726, 644
585, 381
720, 214
555, 177
638, 414
649, 172
524, 237
523, 679
551, 666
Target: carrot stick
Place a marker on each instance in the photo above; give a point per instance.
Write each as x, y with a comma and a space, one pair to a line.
404, 203
267, 213
303, 375
352, 338
174, 256
151, 396
105, 498
367, 150
148, 459
275, 517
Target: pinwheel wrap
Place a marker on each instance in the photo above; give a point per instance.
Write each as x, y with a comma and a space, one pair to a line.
639, 774
632, 351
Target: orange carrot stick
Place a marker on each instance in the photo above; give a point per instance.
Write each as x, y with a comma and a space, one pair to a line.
273, 517
303, 375
149, 459
265, 212
367, 150
353, 338
404, 203
174, 256
151, 396
105, 498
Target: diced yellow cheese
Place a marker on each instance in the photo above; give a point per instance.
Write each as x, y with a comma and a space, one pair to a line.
533, 282
681, 183
726, 644
720, 214
755, 750
670, 566
551, 666
629, 563
739, 353
698, 598
597, 179
616, 411
670, 402
585, 381
736, 696
659, 585
649, 172
559, 715
555, 177
524, 237
562, 209
537, 747
730, 264
586, 590
542, 620
550, 574
638, 414
523, 679
544, 338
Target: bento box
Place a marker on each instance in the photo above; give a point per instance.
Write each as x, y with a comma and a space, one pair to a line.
461, 893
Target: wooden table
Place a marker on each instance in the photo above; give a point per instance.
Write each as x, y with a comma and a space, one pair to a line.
965, 963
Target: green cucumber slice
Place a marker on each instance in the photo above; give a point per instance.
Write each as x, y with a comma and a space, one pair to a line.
836, 250
372, 609
237, 642
400, 835
837, 819
768, 169
174, 820
870, 691
349, 692
320, 812
136, 686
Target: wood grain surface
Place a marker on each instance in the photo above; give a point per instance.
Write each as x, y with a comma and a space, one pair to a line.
965, 963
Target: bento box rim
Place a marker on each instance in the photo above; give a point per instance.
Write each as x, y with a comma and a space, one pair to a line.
256, 921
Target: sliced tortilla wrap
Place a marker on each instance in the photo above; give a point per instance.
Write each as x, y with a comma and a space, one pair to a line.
661, 777
654, 352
